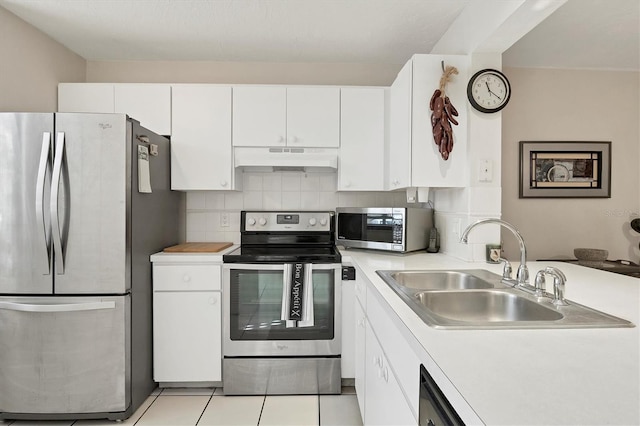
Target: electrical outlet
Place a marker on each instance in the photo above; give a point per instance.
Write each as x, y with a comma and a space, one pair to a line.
224, 220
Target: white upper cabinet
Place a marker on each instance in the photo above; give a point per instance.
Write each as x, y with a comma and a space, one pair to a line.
150, 104
427, 166
414, 159
286, 116
89, 97
201, 152
399, 152
259, 116
313, 117
362, 136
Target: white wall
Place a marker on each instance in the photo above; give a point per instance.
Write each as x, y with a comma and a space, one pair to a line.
574, 105
456, 208
32, 65
344, 74
272, 191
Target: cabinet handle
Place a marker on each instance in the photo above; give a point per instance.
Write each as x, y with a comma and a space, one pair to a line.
223, 183
281, 139
347, 184
186, 278
385, 374
213, 300
361, 322
293, 139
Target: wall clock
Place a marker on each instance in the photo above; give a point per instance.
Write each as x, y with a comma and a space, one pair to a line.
488, 90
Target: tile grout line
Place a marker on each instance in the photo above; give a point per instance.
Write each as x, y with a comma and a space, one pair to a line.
205, 407
147, 409
264, 401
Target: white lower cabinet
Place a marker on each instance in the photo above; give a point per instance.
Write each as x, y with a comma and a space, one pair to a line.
385, 403
347, 366
187, 323
360, 355
386, 388
186, 340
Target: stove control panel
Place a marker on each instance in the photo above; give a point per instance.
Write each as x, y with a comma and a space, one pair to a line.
288, 221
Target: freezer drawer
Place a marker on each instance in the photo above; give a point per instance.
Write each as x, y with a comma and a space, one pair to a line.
64, 355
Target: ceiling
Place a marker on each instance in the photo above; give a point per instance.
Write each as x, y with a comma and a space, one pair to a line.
580, 34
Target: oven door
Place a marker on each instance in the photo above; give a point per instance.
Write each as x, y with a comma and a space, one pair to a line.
253, 295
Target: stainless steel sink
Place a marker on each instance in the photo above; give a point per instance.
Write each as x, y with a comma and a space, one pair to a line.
485, 306
437, 280
477, 299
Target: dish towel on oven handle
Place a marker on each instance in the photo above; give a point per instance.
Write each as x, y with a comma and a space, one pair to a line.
297, 295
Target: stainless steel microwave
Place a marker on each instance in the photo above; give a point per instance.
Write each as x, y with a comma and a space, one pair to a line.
399, 229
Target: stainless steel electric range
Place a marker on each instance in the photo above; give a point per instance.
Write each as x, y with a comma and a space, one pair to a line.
282, 305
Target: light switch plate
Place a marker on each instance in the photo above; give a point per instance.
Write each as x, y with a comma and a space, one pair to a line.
485, 171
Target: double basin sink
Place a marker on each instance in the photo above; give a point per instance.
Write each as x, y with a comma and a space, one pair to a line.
477, 299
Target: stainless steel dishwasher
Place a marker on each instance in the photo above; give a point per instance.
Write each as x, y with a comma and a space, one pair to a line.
434, 408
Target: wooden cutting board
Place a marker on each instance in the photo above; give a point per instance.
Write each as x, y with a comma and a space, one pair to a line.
198, 247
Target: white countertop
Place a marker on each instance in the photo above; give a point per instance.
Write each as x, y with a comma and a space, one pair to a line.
542, 377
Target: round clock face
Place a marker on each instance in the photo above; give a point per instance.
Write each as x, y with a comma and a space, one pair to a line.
488, 90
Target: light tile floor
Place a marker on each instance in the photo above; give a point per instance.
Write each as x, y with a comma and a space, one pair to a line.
209, 407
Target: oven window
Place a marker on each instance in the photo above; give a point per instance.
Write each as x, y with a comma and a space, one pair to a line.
256, 306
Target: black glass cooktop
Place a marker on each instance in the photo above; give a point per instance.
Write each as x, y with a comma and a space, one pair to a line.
287, 254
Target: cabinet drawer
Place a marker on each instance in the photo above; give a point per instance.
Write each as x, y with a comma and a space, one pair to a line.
402, 359
184, 278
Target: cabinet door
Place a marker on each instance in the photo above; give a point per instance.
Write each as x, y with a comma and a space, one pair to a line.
85, 97
361, 140
399, 149
359, 355
187, 341
201, 153
259, 116
428, 167
313, 117
385, 403
150, 104
348, 329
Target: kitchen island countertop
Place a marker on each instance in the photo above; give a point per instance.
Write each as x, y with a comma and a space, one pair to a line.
542, 376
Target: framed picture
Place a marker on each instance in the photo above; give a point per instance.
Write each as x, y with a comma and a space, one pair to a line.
565, 169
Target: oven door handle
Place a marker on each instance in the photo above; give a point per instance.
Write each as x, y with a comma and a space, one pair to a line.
279, 266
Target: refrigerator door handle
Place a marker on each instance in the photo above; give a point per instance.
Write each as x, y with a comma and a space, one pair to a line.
43, 167
65, 307
55, 191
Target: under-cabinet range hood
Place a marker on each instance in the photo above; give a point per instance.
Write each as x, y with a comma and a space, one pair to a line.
286, 159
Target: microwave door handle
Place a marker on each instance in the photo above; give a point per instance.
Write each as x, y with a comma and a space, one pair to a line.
55, 192
43, 225
63, 307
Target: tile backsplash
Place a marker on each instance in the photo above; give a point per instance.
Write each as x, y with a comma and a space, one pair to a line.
215, 215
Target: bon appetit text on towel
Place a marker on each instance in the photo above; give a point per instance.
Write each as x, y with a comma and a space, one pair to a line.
297, 295
297, 292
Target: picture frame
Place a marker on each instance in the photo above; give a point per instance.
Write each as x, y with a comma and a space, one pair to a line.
572, 169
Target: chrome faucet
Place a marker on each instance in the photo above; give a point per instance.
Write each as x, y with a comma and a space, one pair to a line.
559, 281
522, 276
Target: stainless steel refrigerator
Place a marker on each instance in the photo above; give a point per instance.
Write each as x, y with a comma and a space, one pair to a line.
75, 278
